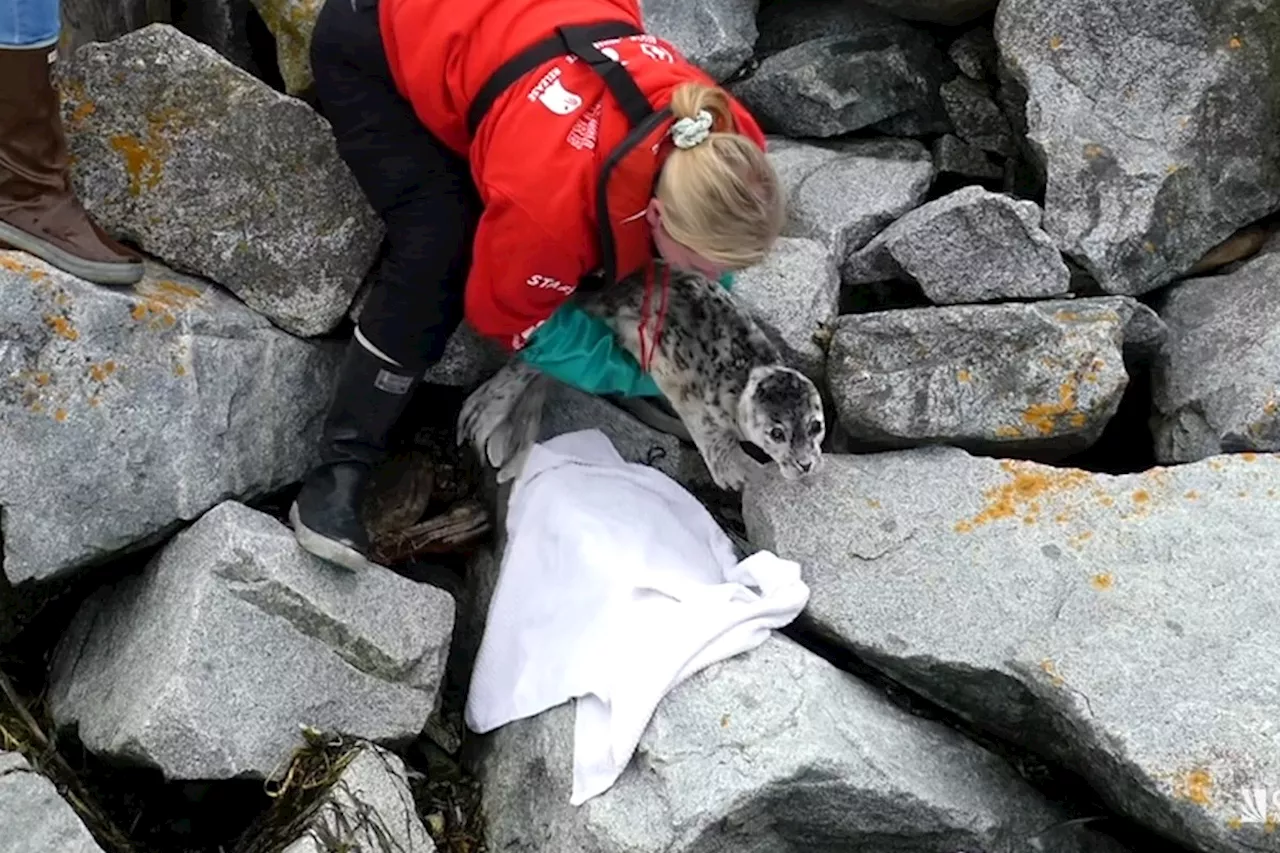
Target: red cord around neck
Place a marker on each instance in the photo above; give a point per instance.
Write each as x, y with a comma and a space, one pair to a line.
647, 348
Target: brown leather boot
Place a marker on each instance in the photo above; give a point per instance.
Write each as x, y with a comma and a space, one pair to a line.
39, 212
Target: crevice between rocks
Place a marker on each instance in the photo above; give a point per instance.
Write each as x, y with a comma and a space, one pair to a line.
1052, 779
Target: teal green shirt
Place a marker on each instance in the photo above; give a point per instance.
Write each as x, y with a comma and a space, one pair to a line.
580, 350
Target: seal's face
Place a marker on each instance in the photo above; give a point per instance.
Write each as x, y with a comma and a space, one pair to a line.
781, 413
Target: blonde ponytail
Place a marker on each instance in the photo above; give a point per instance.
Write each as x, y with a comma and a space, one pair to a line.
720, 195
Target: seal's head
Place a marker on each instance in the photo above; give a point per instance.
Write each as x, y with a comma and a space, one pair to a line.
780, 411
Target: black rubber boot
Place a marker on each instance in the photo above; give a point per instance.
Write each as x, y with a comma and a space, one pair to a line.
370, 396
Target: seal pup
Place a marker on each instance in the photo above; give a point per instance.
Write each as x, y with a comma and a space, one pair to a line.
720, 373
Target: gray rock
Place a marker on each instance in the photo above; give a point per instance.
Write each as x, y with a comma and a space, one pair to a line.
1041, 377
795, 297
785, 25
468, 360
126, 411
569, 410
224, 26
953, 156
33, 818
831, 68
972, 245
370, 807
209, 169
843, 194
949, 12
772, 751
1123, 626
976, 117
85, 21
1128, 107
206, 664
1214, 383
292, 22
976, 53
717, 36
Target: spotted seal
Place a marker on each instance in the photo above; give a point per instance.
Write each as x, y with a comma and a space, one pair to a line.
720, 373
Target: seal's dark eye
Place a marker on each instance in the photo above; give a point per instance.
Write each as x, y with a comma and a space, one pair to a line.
815, 427
777, 434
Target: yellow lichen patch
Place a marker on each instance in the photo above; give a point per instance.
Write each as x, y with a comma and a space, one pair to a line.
1106, 500
60, 415
1141, 496
1194, 785
1066, 316
963, 375
1191, 495
142, 165
1044, 416
873, 503
1006, 431
179, 370
81, 112
1062, 517
12, 265
1215, 464
1102, 580
1076, 543
1093, 151
1023, 495
1249, 456
61, 327
1055, 43
1234, 43
1051, 669
1234, 823
100, 372
1079, 419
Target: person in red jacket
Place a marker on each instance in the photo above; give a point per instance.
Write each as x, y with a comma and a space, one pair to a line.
516, 150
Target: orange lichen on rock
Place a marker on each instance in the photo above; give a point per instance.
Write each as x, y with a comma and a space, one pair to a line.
1248, 456
61, 326
963, 375
1102, 580
1043, 417
142, 166
1191, 494
1024, 493
1006, 431
100, 372
60, 415
1194, 785
1052, 670
1141, 496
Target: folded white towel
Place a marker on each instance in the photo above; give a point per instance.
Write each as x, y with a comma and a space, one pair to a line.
616, 585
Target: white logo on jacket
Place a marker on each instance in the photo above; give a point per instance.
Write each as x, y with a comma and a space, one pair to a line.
553, 95
546, 282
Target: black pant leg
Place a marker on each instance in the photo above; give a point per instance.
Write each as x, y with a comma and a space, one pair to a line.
421, 189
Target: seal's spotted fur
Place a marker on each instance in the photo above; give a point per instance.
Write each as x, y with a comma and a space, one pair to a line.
723, 377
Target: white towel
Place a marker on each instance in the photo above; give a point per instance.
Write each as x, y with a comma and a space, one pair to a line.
616, 586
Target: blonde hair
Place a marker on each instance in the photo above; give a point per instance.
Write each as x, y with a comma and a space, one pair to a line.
721, 196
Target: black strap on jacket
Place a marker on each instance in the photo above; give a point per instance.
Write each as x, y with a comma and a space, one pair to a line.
579, 41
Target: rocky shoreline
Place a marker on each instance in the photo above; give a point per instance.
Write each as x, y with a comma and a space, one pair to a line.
1030, 259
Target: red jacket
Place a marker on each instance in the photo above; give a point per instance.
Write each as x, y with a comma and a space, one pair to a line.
537, 156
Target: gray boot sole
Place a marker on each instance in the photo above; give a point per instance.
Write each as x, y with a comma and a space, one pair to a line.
97, 272
325, 548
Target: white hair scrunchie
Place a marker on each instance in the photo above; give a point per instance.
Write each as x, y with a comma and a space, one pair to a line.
688, 132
